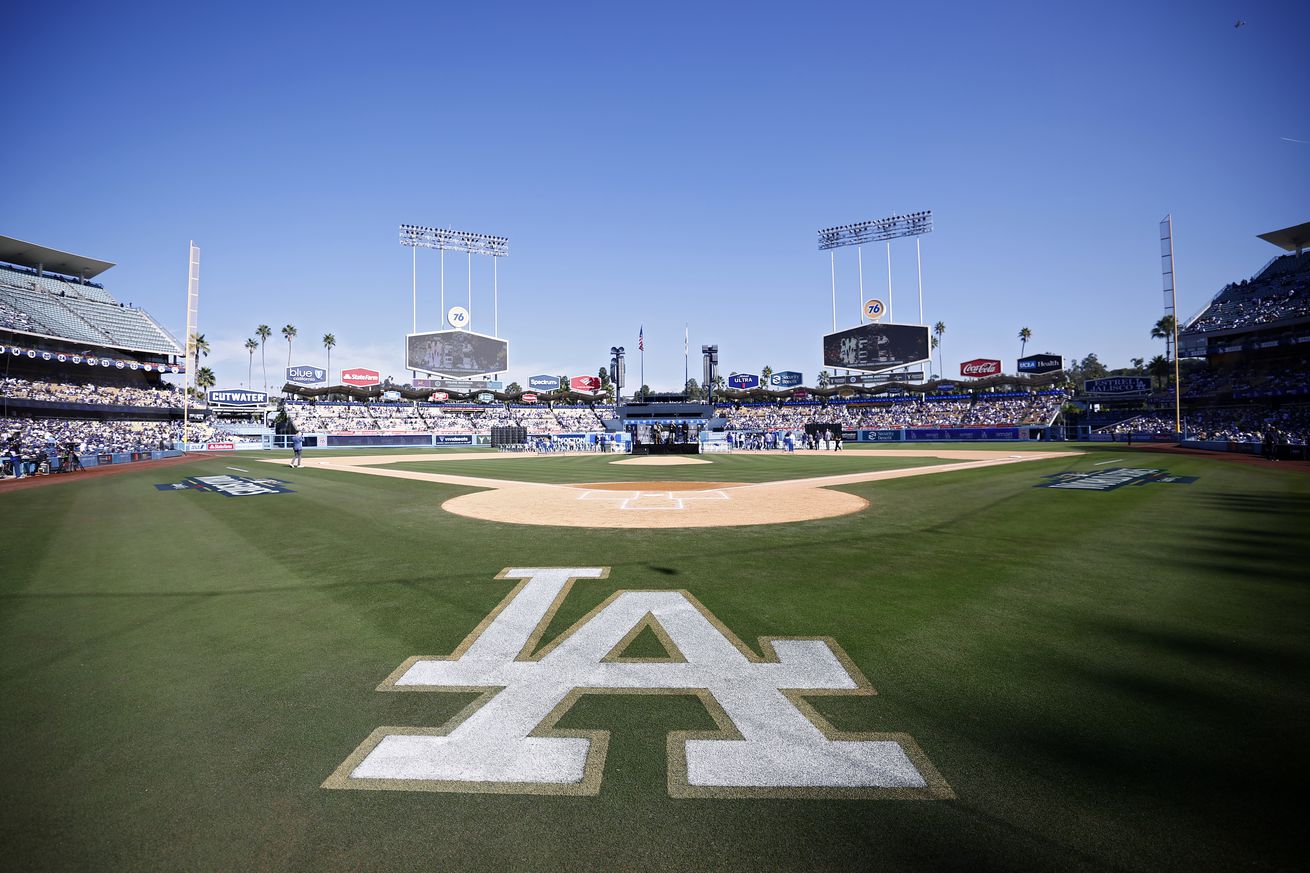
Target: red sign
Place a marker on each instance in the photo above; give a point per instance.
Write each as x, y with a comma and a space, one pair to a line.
529, 398
360, 377
585, 383
440, 395
220, 447
981, 367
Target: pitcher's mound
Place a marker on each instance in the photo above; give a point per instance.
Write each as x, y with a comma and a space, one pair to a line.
662, 461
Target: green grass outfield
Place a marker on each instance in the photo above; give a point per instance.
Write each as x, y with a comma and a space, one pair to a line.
1108, 681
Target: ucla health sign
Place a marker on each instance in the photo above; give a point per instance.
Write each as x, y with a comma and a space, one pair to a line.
237, 397
543, 383
743, 381
303, 375
1038, 364
786, 379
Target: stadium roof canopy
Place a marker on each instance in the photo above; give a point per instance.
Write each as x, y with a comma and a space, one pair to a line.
26, 254
1292, 239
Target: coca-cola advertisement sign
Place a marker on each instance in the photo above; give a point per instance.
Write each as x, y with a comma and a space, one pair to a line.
529, 398
360, 377
585, 383
980, 367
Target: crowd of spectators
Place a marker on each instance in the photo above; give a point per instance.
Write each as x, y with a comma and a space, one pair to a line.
101, 395
1280, 291
440, 418
980, 411
15, 319
1246, 424
94, 437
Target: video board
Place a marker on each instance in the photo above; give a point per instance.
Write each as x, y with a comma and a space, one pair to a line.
456, 353
876, 347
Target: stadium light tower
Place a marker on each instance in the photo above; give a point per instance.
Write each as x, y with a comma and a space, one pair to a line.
916, 224
618, 374
444, 240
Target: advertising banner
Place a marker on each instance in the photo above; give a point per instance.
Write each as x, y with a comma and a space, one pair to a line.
743, 381
980, 367
438, 396
876, 347
1038, 364
878, 378
236, 397
934, 434
786, 379
543, 383
879, 436
529, 398
89, 360
456, 353
220, 447
360, 377
585, 383
1118, 386
304, 375
458, 439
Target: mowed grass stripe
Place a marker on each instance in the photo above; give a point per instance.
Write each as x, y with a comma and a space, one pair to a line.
567, 469
1108, 681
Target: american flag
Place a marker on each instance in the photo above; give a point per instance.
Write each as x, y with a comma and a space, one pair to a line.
641, 338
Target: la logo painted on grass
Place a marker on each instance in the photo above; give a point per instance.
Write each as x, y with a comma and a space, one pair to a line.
769, 740
229, 486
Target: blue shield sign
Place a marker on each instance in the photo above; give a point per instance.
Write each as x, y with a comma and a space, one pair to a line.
304, 375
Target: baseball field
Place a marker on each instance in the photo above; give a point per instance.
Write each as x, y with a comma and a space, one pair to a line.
1084, 658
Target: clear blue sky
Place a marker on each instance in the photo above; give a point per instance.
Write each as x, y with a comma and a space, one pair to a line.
657, 165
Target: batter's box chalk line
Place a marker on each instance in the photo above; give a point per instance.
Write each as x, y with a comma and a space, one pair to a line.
653, 500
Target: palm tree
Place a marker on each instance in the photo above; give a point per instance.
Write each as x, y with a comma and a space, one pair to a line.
200, 345
1164, 329
205, 378
329, 340
765, 374
937, 330
1025, 334
251, 345
263, 332
289, 333
1159, 369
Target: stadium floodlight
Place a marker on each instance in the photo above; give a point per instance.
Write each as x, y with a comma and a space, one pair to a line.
454, 240
444, 240
892, 227
915, 224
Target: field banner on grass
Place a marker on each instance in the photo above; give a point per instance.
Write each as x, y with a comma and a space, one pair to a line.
768, 742
1109, 480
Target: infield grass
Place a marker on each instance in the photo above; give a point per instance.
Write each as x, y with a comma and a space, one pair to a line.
1108, 681
744, 467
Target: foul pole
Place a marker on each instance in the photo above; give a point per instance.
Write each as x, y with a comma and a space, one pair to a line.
192, 325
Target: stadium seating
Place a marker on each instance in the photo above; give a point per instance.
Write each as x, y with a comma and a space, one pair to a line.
1278, 292
56, 307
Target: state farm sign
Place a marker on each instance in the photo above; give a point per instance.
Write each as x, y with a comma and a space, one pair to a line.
360, 377
585, 383
981, 367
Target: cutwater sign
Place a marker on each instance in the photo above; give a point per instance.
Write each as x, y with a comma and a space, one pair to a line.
306, 375
743, 381
1108, 480
228, 486
1118, 386
544, 383
786, 379
237, 397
